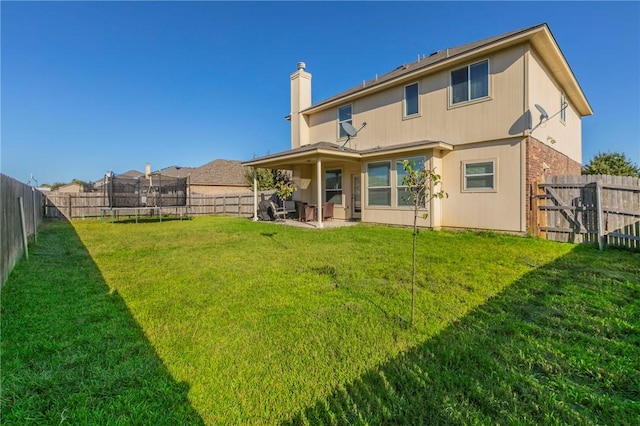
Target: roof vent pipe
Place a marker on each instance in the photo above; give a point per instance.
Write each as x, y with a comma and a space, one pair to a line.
301, 66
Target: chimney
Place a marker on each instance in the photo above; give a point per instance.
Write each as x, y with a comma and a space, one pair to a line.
300, 100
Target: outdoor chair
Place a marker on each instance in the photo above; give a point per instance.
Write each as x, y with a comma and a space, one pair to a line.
309, 213
299, 210
287, 210
327, 211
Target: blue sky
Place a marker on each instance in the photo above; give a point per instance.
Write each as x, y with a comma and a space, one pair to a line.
89, 87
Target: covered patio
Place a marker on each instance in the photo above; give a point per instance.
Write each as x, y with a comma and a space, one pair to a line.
307, 164
311, 166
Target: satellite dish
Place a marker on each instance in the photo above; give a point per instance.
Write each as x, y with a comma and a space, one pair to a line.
349, 129
543, 113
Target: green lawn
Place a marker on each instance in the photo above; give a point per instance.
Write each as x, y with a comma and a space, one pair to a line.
221, 320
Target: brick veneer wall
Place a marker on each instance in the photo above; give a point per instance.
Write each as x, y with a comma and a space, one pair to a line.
559, 165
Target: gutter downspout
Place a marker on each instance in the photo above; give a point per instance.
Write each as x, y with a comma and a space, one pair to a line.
525, 143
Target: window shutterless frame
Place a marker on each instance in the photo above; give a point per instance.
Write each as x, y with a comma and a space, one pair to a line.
344, 116
479, 175
379, 184
333, 186
469, 83
411, 102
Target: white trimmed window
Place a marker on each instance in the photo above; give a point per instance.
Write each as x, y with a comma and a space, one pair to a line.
344, 116
333, 186
379, 183
470, 82
479, 175
411, 100
404, 196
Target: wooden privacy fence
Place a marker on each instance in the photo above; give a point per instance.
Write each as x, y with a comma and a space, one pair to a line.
590, 208
83, 205
20, 216
230, 204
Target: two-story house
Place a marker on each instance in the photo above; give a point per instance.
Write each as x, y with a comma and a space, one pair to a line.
491, 117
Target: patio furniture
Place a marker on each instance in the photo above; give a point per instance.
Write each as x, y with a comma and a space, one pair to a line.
299, 210
287, 210
309, 213
327, 211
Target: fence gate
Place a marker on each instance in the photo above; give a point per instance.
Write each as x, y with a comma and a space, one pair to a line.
590, 208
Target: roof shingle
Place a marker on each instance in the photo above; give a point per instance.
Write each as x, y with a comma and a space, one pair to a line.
425, 62
216, 172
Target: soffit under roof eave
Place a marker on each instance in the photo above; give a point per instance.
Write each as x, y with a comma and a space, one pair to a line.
545, 45
285, 159
407, 149
280, 160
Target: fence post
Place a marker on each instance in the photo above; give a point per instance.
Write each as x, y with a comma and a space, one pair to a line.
534, 209
541, 215
599, 213
24, 228
69, 207
35, 220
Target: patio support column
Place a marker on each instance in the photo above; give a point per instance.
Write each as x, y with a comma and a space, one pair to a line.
255, 195
319, 190
435, 207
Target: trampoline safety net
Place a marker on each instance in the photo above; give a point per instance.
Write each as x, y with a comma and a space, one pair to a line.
139, 191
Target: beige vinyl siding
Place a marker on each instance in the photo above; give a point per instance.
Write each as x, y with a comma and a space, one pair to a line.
394, 214
500, 209
545, 92
490, 118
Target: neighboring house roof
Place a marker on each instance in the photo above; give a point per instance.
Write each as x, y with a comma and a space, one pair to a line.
216, 172
71, 187
98, 183
539, 35
132, 173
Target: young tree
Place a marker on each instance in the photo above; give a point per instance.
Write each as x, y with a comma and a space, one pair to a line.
264, 178
284, 190
611, 163
420, 184
267, 178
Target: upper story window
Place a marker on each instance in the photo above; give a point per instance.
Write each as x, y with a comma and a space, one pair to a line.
333, 186
411, 100
470, 82
563, 107
344, 116
479, 175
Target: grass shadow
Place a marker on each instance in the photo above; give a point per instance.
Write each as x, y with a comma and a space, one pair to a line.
272, 237
559, 346
71, 349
